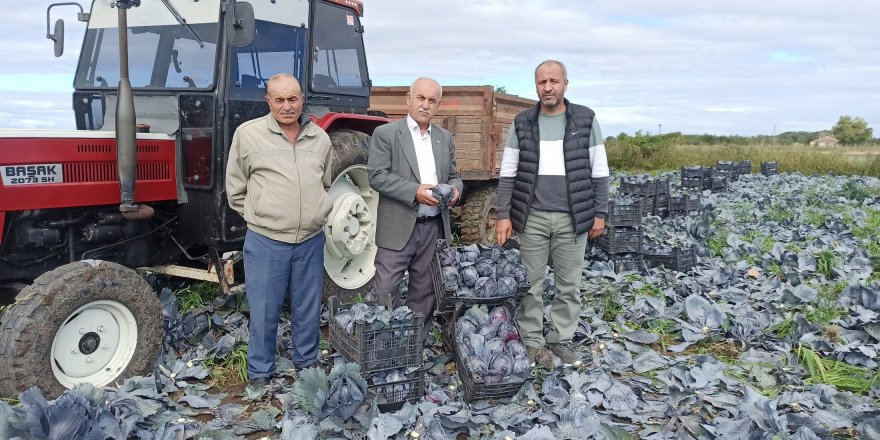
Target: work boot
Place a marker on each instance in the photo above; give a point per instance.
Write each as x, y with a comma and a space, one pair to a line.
566, 353
531, 353
540, 356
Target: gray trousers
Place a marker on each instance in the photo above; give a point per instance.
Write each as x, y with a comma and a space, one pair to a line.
551, 234
416, 257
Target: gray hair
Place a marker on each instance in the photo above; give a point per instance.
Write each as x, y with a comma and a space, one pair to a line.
412, 85
278, 76
558, 63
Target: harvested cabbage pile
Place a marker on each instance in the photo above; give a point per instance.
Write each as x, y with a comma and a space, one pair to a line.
489, 345
477, 271
374, 316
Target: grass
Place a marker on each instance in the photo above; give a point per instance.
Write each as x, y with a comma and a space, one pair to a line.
667, 329
196, 295
717, 243
841, 375
807, 160
12, 401
650, 290
232, 366
782, 329
870, 232
826, 261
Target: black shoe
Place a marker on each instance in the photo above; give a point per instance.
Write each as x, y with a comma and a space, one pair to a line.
259, 382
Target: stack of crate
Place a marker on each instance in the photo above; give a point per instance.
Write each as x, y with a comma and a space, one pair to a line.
622, 240
692, 177
379, 351
684, 205
769, 168
745, 167
653, 195
715, 180
727, 168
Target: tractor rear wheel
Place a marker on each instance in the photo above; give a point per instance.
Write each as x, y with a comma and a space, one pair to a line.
351, 227
477, 221
85, 322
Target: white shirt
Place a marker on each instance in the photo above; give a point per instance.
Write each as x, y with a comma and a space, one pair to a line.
425, 158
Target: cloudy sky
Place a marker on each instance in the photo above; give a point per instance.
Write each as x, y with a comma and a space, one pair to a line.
707, 66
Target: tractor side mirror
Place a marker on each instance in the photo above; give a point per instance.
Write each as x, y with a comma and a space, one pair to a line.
58, 37
240, 25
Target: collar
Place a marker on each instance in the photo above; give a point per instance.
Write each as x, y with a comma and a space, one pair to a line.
413, 125
536, 110
275, 127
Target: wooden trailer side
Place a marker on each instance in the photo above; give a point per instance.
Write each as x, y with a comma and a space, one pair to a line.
477, 116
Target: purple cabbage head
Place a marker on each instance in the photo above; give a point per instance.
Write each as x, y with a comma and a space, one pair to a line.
443, 193
485, 287
521, 366
515, 348
507, 332
498, 315
494, 347
486, 268
469, 276
506, 286
502, 365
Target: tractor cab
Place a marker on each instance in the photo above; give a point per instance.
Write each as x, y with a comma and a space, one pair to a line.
197, 71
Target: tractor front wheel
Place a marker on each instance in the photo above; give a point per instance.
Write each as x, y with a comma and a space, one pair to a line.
351, 228
85, 322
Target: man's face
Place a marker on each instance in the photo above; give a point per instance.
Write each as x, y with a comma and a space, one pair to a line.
550, 85
285, 99
423, 101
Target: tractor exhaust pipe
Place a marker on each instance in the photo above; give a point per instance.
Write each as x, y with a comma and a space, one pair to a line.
126, 145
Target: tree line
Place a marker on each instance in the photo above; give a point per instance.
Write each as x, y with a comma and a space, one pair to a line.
848, 130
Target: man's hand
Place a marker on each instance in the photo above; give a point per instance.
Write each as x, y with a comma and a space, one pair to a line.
597, 229
455, 195
503, 230
423, 195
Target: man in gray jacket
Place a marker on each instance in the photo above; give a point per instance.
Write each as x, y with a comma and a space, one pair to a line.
277, 177
407, 159
553, 191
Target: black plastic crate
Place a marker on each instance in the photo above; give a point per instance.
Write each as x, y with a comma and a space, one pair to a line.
769, 168
716, 181
661, 187
692, 172
726, 165
648, 188
745, 167
395, 394
399, 346
661, 205
683, 204
632, 188
692, 182
678, 259
446, 297
647, 204
474, 388
620, 240
627, 262
624, 215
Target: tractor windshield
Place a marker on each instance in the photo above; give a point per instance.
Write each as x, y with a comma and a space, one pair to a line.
162, 53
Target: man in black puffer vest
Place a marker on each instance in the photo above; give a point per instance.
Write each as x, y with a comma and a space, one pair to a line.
553, 192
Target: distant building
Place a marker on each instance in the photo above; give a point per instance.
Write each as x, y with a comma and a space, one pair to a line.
826, 141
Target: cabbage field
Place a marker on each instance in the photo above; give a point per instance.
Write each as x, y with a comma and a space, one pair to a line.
774, 334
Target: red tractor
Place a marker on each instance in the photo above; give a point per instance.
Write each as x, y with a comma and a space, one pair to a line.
140, 183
